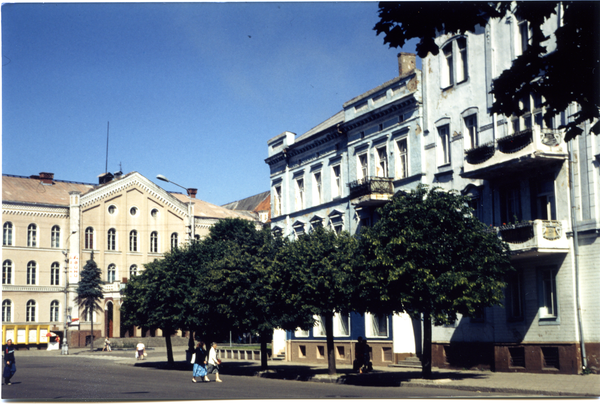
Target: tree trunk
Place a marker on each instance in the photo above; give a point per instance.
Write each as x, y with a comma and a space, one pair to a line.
426, 361
92, 322
330, 347
263, 351
169, 346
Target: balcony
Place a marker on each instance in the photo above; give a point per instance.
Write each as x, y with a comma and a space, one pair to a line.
535, 237
371, 191
533, 148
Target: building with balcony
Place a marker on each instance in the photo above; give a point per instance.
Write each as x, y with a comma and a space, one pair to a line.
51, 228
524, 183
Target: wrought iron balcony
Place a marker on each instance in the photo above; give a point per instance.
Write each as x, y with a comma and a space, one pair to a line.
535, 237
533, 148
371, 191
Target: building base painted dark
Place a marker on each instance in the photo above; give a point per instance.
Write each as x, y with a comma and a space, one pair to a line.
316, 351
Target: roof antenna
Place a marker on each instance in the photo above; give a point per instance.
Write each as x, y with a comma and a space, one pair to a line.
107, 129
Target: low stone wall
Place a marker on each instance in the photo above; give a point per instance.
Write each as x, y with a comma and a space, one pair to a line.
241, 354
149, 342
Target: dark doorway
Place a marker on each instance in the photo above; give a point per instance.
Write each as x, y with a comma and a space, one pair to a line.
108, 315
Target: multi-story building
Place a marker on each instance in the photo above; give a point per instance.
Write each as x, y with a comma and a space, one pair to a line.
335, 175
51, 228
540, 193
517, 172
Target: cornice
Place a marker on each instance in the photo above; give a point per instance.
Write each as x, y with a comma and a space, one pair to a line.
20, 209
379, 113
304, 146
15, 288
134, 180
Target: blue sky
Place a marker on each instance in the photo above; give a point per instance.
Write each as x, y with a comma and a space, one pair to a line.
192, 91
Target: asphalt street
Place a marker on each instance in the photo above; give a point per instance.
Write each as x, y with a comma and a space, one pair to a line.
68, 378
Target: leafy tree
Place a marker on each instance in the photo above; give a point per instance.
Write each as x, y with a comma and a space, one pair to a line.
89, 292
428, 255
569, 74
315, 276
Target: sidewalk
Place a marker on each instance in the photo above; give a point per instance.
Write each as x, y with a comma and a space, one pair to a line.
485, 381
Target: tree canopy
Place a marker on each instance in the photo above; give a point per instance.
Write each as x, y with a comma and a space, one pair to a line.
89, 291
570, 74
428, 255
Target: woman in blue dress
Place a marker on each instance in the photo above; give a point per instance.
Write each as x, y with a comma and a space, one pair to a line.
200, 362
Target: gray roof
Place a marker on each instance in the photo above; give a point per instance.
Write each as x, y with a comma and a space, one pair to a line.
248, 204
334, 120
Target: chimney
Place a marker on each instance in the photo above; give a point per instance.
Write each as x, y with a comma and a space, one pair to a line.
192, 192
47, 178
406, 63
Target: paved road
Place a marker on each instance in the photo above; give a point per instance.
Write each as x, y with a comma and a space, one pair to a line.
103, 378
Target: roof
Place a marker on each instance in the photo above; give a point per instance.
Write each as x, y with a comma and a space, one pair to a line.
209, 210
33, 190
250, 203
334, 120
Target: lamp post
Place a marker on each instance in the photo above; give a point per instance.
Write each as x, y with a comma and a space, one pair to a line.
190, 218
65, 345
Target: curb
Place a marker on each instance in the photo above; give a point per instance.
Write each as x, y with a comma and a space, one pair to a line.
545, 393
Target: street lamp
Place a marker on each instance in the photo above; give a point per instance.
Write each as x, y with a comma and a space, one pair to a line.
65, 346
190, 218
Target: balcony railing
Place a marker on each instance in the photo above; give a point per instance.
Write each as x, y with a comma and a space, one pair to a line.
370, 186
543, 236
480, 154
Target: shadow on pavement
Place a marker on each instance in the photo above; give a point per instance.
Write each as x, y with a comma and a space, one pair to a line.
377, 378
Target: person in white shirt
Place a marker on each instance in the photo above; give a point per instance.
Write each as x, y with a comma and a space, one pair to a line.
213, 363
141, 350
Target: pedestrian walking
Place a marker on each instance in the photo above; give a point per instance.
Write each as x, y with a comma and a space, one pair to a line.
10, 367
199, 361
141, 351
213, 363
106, 345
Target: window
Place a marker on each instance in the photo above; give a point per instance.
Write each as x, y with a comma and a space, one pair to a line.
112, 209
376, 326
30, 311
6, 311
301, 333
174, 241
548, 298
363, 166
543, 204
510, 204
277, 201
454, 67
336, 190
7, 237
87, 316
319, 327
522, 42
133, 211
55, 237
154, 213
111, 273
32, 235
89, 238
298, 229
382, 162
133, 244
341, 325
31, 273
300, 194
318, 187
7, 272
154, 242
55, 274
402, 159
132, 271
112, 240
471, 130
54, 310
514, 296
475, 201
444, 133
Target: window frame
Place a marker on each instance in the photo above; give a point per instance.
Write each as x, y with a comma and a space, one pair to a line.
55, 236
338, 329
446, 144
471, 129
32, 229
336, 183
54, 311
7, 307
133, 271
401, 158
515, 297
454, 62
30, 311
7, 272
111, 272
154, 242
382, 165
370, 326
7, 234
548, 294
111, 241
317, 188
362, 166
55, 274
32, 278
133, 241
89, 238
174, 240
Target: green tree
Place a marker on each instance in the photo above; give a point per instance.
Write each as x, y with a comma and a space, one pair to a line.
316, 278
428, 255
569, 74
89, 292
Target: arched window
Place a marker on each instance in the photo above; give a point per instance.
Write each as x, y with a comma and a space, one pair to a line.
54, 310
174, 241
30, 315
89, 238
31, 273
7, 238
112, 273
6, 311
32, 235
154, 242
132, 271
55, 274
133, 240
55, 241
112, 240
7, 272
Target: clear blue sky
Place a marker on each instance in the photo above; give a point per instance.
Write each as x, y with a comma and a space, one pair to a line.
192, 91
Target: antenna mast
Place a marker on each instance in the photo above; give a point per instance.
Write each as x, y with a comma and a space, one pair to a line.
107, 129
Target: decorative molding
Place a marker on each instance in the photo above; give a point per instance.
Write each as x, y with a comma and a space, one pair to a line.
27, 288
35, 210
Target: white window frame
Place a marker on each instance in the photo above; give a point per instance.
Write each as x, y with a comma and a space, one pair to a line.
154, 241
277, 201
55, 274
8, 234
381, 162
470, 122
55, 236
319, 327
7, 272
299, 188
549, 309
7, 311
299, 333
111, 235
454, 62
111, 273
338, 325
174, 240
317, 188
133, 271
445, 144
362, 165
401, 158
30, 311
89, 238
336, 181
32, 238
55, 311
371, 327
133, 241
32, 273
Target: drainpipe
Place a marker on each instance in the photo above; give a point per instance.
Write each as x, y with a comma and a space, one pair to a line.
571, 145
